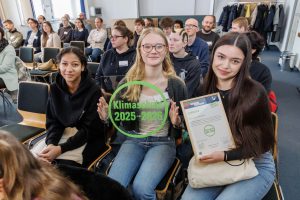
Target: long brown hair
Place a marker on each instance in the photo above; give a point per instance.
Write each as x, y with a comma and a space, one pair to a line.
248, 110
45, 35
25, 178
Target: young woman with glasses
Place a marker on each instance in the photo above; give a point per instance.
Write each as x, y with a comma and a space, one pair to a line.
118, 60
147, 160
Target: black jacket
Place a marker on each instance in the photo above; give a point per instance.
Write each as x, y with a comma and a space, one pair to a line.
75, 110
189, 70
36, 42
262, 74
114, 64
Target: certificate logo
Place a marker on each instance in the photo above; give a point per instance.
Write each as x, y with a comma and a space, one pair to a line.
209, 130
121, 112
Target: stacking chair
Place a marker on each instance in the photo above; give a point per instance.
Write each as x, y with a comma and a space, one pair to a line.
275, 193
32, 101
79, 44
26, 54
49, 53
92, 68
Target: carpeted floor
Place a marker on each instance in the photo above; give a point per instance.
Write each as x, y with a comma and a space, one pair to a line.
285, 85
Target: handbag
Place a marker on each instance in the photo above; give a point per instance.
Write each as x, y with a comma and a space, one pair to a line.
50, 65
202, 175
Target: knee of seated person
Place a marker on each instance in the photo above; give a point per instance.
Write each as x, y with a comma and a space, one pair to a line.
142, 190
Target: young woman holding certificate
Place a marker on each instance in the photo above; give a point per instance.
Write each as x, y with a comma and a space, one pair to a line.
246, 106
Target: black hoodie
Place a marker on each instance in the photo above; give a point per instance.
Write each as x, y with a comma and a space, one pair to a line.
113, 64
189, 70
75, 110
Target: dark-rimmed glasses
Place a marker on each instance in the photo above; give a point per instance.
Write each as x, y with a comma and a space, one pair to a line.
190, 26
115, 37
158, 47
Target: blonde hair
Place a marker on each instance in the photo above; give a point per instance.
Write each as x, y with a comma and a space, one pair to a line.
26, 178
137, 71
241, 22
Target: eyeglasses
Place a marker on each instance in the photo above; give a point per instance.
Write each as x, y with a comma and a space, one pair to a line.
190, 26
158, 47
115, 37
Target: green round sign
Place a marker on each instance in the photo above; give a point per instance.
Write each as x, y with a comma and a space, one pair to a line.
151, 86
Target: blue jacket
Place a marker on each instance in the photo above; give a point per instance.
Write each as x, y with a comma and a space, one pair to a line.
36, 42
200, 49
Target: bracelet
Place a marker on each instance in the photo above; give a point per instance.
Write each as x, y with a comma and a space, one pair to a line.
225, 155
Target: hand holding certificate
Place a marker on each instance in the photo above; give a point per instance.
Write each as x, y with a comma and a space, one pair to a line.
207, 124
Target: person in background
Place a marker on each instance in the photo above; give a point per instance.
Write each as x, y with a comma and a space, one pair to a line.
41, 19
65, 31
258, 71
80, 33
206, 33
75, 133
148, 22
48, 39
178, 24
240, 25
138, 157
87, 25
24, 177
13, 36
70, 23
33, 38
139, 25
96, 39
248, 113
8, 72
118, 60
117, 23
166, 24
186, 65
196, 45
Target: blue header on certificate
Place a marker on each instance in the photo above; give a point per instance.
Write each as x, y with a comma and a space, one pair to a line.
201, 101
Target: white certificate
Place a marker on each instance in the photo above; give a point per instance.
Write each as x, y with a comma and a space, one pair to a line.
207, 124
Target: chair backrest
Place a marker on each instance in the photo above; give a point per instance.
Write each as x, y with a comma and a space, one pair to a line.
32, 103
275, 126
50, 53
79, 44
92, 68
26, 54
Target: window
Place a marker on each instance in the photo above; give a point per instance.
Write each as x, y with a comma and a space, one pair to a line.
37, 7
70, 7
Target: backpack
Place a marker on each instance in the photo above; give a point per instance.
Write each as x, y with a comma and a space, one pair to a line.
273, 101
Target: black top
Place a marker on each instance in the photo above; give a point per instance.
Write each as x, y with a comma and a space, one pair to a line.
210, 38
74, 110
262, 74
114, 64
80, 35
189, 70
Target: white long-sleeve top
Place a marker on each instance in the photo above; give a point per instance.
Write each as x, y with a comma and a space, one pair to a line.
97, 38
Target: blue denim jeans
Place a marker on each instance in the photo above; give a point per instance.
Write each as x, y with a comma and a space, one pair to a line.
147, 160
251, 189
95, 54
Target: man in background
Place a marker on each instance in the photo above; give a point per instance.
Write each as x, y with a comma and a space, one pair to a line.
206, 33
240, 25
14, 37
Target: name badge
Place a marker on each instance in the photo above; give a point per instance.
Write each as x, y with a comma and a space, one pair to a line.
65, 32
123, 63
35, 37
209, 43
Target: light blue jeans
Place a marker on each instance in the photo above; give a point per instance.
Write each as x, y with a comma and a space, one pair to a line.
251, 189
145, 159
